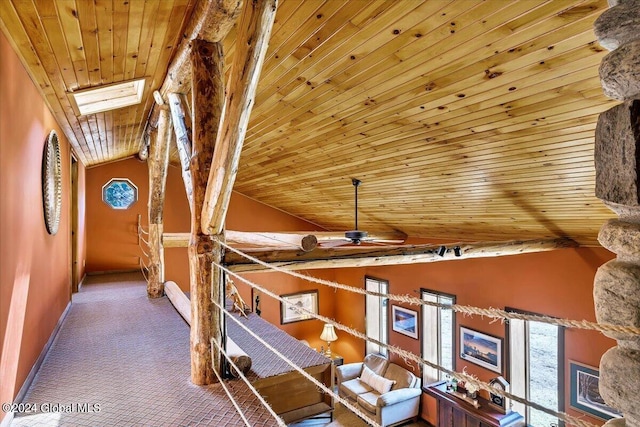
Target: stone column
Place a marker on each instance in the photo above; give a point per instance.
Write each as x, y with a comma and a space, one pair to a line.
617, 160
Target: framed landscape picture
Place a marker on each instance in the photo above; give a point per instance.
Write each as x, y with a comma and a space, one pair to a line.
405, 321
289, 311
585, 395
482, 349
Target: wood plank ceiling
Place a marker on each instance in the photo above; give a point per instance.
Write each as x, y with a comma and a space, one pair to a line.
465, 119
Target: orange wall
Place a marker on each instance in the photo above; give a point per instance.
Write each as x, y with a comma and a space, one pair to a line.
35, 267
112, 239
557, 283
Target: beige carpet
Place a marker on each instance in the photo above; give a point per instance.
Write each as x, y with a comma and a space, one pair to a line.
122, 359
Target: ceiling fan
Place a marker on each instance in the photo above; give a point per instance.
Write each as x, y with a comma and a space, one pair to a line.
356, 236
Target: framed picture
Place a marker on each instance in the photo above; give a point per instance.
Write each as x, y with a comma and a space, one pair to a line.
585, 395
405, 321
289, 311
482, 349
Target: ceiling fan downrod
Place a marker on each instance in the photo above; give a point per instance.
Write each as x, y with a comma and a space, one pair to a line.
356, 235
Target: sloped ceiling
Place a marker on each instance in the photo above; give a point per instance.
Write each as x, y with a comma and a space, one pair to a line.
465, 120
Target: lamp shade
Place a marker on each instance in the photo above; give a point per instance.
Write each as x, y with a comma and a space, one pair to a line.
328, 333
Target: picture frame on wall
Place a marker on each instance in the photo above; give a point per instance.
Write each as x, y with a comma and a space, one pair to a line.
481, 349
405, 321
585, 395
289, 310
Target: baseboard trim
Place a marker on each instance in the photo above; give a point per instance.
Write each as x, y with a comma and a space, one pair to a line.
82, 281
97, 273
36, 366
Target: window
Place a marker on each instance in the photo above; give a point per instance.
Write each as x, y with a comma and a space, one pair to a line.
376, 313
536, 368
119, 193
108, 97
438, 335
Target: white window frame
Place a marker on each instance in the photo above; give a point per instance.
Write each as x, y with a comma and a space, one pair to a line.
432, 333
376, 315
518, 337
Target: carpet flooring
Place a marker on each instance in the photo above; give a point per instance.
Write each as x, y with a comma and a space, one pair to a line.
122, 359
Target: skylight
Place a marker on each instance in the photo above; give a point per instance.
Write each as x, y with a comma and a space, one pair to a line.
110, 97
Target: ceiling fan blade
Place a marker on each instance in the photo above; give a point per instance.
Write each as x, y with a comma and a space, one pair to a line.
392, 237
379, 243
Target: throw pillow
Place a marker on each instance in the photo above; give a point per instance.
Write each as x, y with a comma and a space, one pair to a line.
367, 375
375, 381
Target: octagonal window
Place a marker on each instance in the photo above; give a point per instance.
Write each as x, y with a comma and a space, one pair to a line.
119, 193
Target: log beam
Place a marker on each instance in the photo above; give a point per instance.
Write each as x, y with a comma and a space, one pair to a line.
179, 300
158, 163
276, 240
377, 256
183, 142
176, 240
211, 21
298, 241
254, 31
207, 64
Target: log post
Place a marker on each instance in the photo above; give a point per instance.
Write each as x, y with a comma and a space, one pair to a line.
207, 64
252, 41
183, 142
218, 327
202, 318
616, 290
158, 163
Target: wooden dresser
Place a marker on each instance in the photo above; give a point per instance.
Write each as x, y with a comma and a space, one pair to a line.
455, 412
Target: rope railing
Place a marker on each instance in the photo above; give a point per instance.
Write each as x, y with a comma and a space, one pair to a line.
493, 313
145, 241
317, 383
279, 420
143, 267
140, 227
143, 251
408, 356
141, 239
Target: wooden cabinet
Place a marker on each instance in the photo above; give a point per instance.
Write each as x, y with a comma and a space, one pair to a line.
450, 415
455, 412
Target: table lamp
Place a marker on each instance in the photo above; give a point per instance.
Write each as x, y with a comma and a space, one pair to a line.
328, 335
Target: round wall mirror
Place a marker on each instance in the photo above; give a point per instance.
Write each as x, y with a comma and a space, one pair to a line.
52, 183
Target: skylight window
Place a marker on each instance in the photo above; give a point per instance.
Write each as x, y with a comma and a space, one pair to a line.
110, 97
